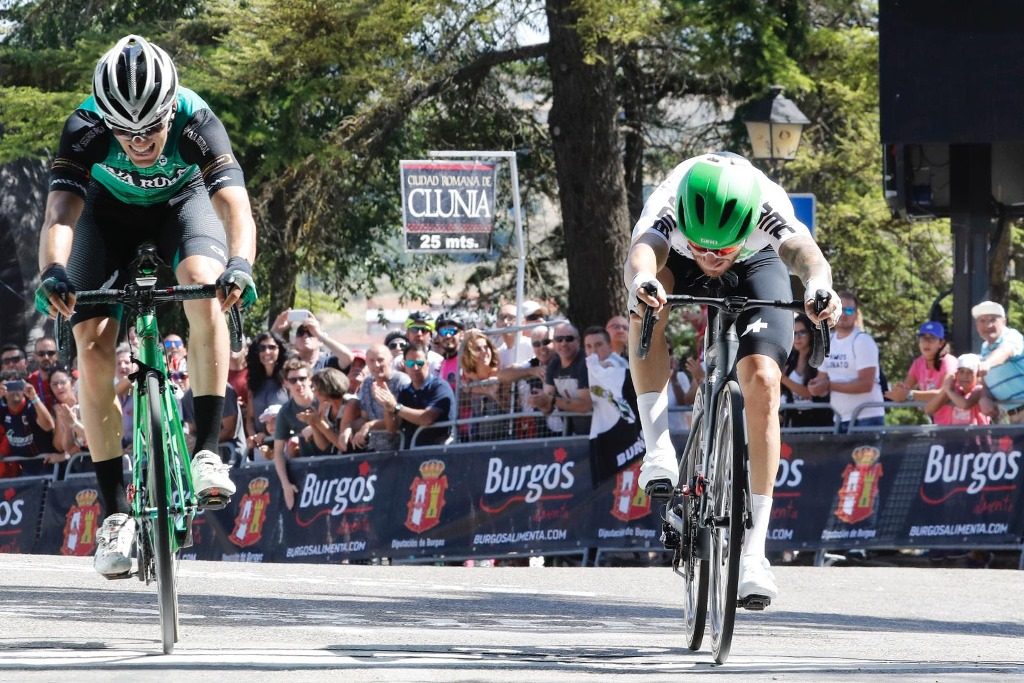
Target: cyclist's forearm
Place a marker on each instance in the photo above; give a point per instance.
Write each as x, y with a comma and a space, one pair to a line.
644, 256
62, 212
234, 211
804, 259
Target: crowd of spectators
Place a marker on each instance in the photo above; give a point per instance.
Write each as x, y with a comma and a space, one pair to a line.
295, 391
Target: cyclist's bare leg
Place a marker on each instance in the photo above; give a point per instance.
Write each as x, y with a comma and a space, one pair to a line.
650, 379
760, 379
208, 348
208, 342
101, 416
101, 412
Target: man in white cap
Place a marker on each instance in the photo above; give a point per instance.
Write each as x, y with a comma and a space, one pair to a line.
1002, 359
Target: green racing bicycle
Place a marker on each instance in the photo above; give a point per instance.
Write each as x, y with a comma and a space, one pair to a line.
162, 495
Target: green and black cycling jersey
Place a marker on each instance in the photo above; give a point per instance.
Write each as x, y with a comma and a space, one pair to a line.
196, 144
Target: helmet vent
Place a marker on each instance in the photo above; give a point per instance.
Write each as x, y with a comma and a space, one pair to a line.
726, 212
746, 222
699, 202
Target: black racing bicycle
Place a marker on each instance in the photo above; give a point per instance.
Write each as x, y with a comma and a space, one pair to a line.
705, 518
162, 495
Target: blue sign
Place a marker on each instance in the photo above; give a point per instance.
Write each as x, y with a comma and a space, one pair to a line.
805, 206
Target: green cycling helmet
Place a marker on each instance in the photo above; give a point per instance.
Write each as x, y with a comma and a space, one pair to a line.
718, 201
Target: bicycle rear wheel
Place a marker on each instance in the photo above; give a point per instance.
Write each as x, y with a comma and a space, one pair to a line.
728, 462
159, 498
693, 569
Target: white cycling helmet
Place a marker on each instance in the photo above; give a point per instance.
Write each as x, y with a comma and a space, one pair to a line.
135, 84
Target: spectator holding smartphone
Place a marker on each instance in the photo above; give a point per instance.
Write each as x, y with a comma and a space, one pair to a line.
27, 423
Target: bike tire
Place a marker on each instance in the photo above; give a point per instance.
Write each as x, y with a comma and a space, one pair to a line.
166, 581
729, 449
694, 570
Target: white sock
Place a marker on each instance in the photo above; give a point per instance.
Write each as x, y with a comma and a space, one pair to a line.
653, 408
753, 542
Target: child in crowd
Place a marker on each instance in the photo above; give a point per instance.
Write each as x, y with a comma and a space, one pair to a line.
962, 399
928, 371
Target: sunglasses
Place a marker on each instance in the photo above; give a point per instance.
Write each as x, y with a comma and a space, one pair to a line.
566, 339
303, 332
398, 345
296, 380
128, 133
415, 363
448, 331
534, 316
268, 347
801, 333
619, 326
724, 251
178, 375
46, 354
542, 342
172, 344
11, 359
849, 310
421, 329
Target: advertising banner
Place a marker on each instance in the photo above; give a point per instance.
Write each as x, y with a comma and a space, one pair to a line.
21, 503
248, 529
447, 206
959, 487
71, 517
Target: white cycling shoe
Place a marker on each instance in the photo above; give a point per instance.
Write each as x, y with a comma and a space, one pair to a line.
659, 465
757, 583
114, 540
214, 487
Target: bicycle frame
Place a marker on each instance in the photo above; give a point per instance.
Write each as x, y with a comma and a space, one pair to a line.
180, 488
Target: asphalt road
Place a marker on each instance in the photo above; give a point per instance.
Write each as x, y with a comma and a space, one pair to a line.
317, 622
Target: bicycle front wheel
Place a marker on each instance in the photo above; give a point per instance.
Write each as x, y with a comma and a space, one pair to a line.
728, 462
693, 569
159, 498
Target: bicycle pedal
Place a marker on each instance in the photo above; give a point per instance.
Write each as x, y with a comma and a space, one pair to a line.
754, 602
702, 544
659, 489
218, 502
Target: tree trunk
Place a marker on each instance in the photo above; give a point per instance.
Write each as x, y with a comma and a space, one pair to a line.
633, 107
280, 253
588, 162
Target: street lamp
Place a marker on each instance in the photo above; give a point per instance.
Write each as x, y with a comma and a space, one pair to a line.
774, 125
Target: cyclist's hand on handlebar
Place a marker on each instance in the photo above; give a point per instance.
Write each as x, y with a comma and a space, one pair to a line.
831, 311
55, 293
236, 284
648, 290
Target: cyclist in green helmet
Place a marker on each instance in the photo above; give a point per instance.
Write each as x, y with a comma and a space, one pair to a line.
715, 226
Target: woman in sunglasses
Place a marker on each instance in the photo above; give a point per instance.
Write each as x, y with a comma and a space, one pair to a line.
716, 226
143, 159
264, 360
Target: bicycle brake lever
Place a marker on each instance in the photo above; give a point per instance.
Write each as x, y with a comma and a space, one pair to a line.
821, 349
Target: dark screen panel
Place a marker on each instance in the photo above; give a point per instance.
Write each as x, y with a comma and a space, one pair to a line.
951, 71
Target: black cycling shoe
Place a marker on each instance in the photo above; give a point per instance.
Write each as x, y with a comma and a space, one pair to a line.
660, 489
754, 602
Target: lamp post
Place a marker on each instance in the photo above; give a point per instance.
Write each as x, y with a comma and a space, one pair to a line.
774, 124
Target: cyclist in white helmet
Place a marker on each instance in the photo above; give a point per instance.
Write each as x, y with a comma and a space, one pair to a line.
145, 160
715, 226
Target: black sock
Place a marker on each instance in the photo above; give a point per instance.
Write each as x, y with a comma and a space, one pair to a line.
110, 478
207, 411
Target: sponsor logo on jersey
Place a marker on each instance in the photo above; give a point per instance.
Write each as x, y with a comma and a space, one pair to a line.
859, 491
426, 499
629, 501
80, 524
665, 225
146, 182
252, 513
773, 223
755, 327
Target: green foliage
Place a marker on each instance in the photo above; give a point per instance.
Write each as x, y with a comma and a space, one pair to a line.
31, 121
